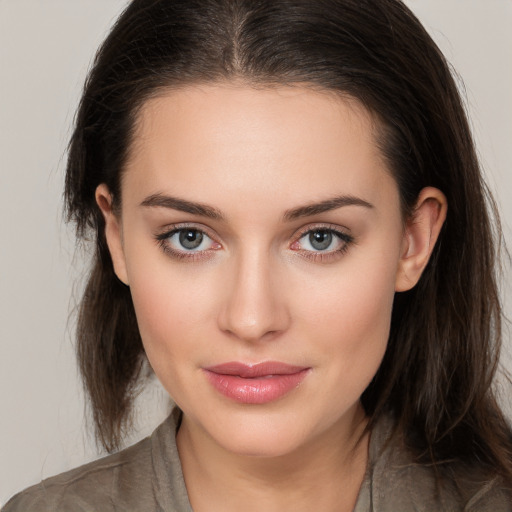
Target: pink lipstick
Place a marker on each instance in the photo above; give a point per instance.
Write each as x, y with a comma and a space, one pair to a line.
255, 384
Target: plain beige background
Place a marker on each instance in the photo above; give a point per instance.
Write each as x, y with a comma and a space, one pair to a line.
45, 49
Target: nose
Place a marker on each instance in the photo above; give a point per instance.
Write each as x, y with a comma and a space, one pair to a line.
254, 307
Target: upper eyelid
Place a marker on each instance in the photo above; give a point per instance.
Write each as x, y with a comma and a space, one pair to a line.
163, 240
174, 228
320, 226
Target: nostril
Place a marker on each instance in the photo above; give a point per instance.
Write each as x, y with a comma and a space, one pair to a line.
253, 332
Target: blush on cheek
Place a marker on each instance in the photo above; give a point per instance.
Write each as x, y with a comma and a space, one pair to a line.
352, 319
169, 314
154, 311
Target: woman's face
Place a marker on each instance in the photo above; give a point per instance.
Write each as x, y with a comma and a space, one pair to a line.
261, 237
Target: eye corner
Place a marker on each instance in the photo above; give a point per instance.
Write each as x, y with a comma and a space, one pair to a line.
174, 243
295, 246
325, 252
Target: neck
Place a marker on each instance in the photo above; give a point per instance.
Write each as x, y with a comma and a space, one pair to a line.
324, 474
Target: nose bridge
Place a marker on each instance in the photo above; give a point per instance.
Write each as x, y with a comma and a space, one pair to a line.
254, 308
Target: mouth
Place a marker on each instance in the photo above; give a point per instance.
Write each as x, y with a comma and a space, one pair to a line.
255, 384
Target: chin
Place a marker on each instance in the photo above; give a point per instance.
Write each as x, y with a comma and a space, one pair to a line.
263, 432
268, 443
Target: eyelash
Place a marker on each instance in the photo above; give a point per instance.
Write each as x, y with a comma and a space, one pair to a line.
163, 242
325, 256
316, 256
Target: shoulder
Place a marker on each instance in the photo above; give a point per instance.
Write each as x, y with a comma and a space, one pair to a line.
91, 485
147, 476
397, 482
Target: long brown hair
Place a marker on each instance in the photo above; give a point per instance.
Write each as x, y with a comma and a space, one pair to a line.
436, 378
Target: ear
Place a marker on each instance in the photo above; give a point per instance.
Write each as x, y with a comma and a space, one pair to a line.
113, 232
421, 232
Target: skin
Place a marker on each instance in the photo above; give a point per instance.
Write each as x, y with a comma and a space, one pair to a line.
257, 290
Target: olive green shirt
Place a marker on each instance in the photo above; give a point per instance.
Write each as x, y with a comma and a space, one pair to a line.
147, 477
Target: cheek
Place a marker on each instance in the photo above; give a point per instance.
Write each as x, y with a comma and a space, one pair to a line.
360, 290
171, 308
349, 317
169, 319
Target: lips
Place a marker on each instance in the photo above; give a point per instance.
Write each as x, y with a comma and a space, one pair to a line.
255, 384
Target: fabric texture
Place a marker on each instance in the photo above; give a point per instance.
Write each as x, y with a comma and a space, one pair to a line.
147, 477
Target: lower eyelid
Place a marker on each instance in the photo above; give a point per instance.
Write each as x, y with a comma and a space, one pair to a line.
325, 257
163, 240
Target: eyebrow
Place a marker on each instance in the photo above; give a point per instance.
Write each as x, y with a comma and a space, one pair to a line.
175, 203
325, 206
164, 201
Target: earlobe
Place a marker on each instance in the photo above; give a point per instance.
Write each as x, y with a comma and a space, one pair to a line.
113, 233
421, 232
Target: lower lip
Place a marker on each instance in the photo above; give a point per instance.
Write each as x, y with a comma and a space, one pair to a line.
259, 390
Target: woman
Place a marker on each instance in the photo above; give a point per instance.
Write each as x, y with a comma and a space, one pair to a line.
292, 228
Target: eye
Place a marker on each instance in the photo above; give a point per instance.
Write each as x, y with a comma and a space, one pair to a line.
319, 240
186, 242
189, 239
322, 241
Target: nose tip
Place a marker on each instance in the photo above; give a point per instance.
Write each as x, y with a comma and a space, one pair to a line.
254, 309
251, 331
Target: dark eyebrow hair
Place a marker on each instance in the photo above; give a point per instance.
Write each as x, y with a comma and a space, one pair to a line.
164, 201
325, 206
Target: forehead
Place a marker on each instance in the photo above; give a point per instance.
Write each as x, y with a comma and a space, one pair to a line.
283, 142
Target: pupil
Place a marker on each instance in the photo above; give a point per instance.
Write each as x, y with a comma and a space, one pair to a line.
320, 240
191, 238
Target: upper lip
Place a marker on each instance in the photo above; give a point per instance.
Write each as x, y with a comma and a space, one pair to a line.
250, 371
